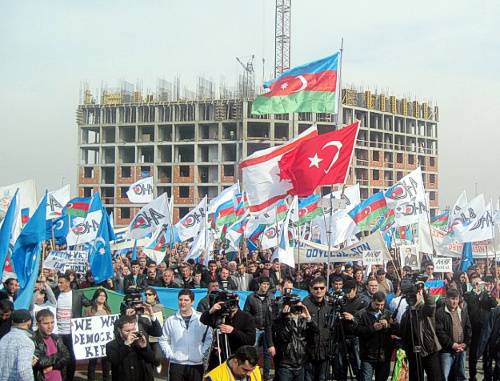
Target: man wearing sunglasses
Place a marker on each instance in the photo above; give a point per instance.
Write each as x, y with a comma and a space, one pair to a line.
318, 307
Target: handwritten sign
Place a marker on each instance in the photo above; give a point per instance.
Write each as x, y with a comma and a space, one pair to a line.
373, 257
90, 335
443, 265
67, 260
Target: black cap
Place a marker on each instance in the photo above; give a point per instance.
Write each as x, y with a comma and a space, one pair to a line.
380, 272
21, 316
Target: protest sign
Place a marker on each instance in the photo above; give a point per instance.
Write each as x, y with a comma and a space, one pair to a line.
90, 335
373, 257
67, 260
443, 265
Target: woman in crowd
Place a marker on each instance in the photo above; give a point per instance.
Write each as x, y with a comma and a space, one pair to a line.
98, 307
152, 299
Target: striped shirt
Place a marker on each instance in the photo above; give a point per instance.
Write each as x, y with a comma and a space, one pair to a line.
16, 356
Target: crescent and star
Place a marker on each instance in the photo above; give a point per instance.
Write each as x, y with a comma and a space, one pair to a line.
315, 160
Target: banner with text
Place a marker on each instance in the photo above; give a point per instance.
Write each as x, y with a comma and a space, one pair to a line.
373, 257
67, 260
443, 265
90, 335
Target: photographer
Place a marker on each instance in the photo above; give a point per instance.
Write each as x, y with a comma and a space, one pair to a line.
479, 304
204, 304
454, 332
291, 331
319, 346
130, 355
237, 327
259, 305
374, 327
423, 344
349, 353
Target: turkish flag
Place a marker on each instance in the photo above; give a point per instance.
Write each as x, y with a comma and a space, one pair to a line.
323, 160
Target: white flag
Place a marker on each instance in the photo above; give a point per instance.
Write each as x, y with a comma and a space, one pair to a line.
204, 241
408, 213
192, 223
149, 218
459, 204
26, 196
287, 238
405, 190
141, 191
56, 200
479, 229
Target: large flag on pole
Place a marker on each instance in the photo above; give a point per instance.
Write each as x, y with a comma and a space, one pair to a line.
56, 200
84, 229
312, 87
8, 224
149, 218
26, 255
100, 257
261, 173
26, 193
141, 191
191, 224
224, 196
369, 210
323, 160
408, 189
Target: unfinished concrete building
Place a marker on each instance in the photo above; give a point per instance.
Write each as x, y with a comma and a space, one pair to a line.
192, 145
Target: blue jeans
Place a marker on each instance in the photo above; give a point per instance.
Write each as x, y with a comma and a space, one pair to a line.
316, 370
454, 360
340, 364
381, 370
260, 340
285, 374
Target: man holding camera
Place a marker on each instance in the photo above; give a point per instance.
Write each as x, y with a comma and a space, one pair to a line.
185, 340
454, 332
292, 330
374, 327
260, 305
236, 327
130, 355
318, 308
418, 331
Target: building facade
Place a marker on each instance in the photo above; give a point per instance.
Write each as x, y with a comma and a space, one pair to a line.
193, 148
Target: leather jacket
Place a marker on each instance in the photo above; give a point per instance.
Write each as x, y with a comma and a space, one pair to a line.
319, 343
57, 361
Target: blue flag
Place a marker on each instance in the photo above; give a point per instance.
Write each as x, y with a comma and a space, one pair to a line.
100, 257
134, 251
58, 229
467, 259
6, 231
26, 255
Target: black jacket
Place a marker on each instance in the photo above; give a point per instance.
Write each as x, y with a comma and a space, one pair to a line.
319, 343
231, 284
290, 339
203, 304
374, 346
141, 282
57, 361
490, 335
479, 307
444, 328
352, 306
259, 308
161, 283
426, 330
130, 362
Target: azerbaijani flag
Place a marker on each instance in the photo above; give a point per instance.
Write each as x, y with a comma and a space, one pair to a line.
441, 221
369, 210
311, 87
77, 207
309, 208
281, 210
225, 214
436, 287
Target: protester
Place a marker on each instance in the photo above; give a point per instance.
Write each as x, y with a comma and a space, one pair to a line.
43, 298
136, 279
11, 285
129, 353
240, 366
167, 279
6, 310
50, 351
185, 340
225, 281
241, 278
371, 289
17, 349
98, 307
186, 280
69, 306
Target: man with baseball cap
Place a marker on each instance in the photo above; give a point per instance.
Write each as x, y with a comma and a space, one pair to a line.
17, 349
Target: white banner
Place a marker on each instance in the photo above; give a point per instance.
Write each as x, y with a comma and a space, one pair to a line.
443, 265
373, 257
67, 260
90, 335
405, 190
149, 218
27, 196
311, 252
141, 191
56, 200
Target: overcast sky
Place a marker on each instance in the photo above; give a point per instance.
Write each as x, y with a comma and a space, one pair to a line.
447, 52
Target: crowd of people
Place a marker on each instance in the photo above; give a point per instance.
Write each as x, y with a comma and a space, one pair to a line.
347, 327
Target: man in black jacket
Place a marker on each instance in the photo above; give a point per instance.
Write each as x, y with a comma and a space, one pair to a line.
136, 279
260, 305
479, 304
454, 332
319, 346
53, 365
6, 310
424, 334
374, 327
349, 348
291, 331
238, 326
131, 356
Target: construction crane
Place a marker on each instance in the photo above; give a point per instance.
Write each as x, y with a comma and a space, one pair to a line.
247, 82
282, 36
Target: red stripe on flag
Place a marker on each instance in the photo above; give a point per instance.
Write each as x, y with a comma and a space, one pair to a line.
322, 81
372, 207
265, 204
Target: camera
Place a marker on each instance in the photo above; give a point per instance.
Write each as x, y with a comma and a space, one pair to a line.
292, 300
337, 300
229, 299
139, 334
133, 300
409, 287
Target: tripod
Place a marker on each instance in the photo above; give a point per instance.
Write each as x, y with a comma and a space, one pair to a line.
415, 338
338, 342
221, 342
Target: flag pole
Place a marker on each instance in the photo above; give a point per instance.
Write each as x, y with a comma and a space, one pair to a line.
170, 207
